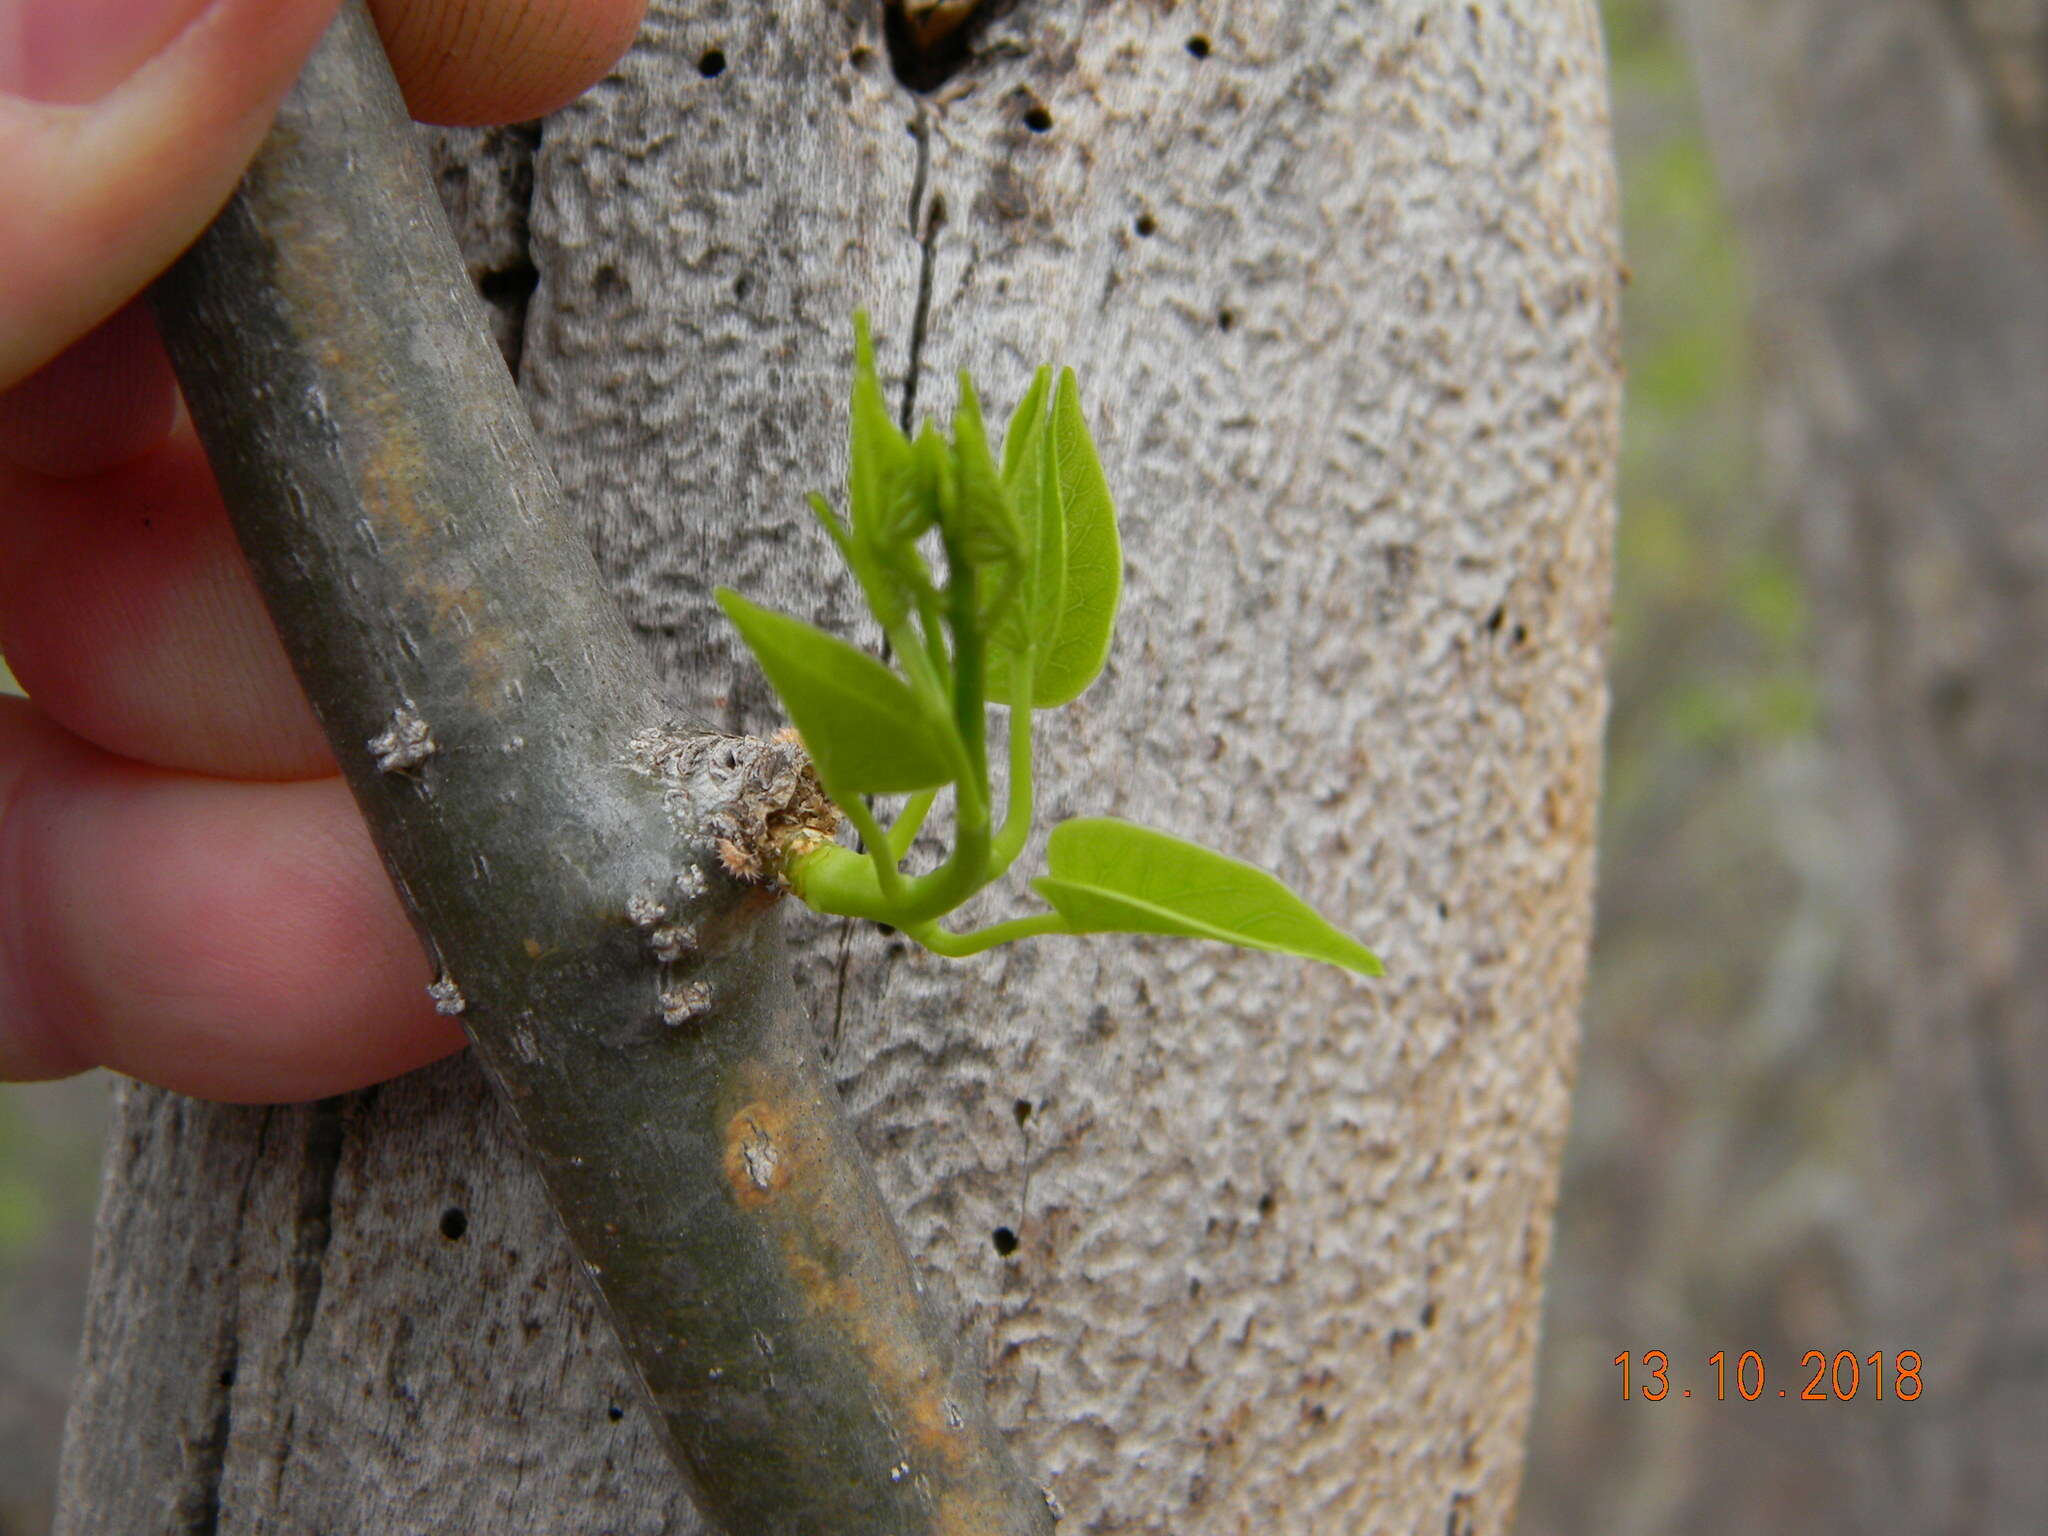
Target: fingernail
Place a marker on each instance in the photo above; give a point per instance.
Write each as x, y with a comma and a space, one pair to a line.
73, 51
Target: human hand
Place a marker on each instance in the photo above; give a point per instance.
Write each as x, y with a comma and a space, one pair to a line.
187, 894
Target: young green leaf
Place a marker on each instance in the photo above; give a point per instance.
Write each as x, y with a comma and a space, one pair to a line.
983, 524
1020, 436
861, 723
1031, 477
1093, 580
891, 499
1048, 528
888, 591
931, 456
1111, 876
879, 448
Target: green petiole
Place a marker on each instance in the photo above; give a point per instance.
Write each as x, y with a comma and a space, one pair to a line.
1016, 828
958, 946
910, 823
888, 878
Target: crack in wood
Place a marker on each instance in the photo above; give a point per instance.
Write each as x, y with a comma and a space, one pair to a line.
196, 1509
210, 1451
839, 991
508, 287
313, 1226
927, 213
312, 1232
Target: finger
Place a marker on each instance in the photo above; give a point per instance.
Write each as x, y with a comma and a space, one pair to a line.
501, 61
128, 614
123, 125
98, 404
233, 941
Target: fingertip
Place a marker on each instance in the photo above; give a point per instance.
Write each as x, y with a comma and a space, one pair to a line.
238, 942
501, 61
129, 614
101, 196
301, 976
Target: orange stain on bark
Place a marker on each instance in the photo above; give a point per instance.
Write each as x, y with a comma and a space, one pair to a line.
777, 1163
759, 1154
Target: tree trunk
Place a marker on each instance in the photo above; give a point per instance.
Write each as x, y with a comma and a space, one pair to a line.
1243, 1243
1885, 161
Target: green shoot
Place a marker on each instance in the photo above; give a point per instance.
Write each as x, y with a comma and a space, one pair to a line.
1034, 572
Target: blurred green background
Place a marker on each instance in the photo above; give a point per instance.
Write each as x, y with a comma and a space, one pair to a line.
1717, 935
1710, 779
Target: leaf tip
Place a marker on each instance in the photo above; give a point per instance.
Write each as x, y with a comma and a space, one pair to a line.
1365, 962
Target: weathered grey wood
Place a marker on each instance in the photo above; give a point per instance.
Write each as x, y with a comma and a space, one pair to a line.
1885, 162
1279, 1232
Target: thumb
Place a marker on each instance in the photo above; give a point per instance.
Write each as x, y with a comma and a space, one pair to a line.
123, 127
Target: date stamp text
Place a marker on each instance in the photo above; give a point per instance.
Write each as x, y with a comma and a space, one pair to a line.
1821, 1378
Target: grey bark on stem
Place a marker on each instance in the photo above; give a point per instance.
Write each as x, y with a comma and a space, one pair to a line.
556, 840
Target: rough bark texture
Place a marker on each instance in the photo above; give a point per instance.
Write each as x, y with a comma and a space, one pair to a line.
1339, 283
1883, 157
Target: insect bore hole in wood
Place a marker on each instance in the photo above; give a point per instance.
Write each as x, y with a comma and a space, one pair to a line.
930, 41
